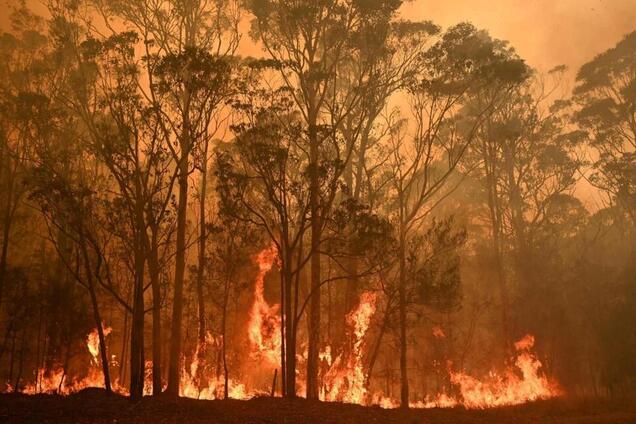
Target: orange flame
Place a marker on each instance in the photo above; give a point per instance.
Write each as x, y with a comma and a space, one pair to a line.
438, 332
509, 388
57, 381
92, 342
213, 389
264, 323
519, 384
345, 379
346, 382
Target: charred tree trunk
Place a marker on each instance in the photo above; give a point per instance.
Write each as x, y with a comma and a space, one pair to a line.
6, 228
314, 306
495, 221
351, 288
153, 268
404, 380
141, 247
290, 329
174, 369
226, 376
124, 345
351, 294
201, 268
283, 326
7, 333
185, 144
7, 220
137, 366
96, 314
12, 355
21, 363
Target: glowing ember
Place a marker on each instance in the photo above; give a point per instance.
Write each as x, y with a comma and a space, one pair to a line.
264, 323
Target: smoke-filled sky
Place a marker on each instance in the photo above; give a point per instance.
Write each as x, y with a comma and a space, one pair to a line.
546, 33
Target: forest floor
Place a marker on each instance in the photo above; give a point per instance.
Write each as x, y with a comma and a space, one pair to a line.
93, 406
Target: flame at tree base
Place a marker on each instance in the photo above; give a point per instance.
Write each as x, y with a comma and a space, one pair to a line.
263, 328
518, 384
508, 388
345, 378
346, 382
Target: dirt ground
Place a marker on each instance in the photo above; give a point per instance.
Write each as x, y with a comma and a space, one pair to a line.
93, 406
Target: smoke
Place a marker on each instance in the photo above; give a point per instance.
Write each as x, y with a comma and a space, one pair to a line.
546, 33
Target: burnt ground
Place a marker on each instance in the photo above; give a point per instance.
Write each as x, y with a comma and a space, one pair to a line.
93, 406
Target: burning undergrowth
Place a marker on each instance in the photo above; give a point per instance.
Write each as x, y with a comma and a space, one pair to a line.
344, 377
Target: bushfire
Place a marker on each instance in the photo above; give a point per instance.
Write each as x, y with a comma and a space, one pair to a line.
345, 377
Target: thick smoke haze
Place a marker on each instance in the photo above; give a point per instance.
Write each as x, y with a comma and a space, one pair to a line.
424, 205
547, 33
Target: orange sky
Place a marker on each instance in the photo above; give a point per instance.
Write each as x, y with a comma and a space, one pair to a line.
546, 33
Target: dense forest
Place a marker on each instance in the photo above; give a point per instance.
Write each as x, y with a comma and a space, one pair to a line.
225, 198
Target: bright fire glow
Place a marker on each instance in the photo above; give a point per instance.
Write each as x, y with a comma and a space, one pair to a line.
92, 342
56, 380
212, 387
345, 381
345, 378
519, 384
264, 323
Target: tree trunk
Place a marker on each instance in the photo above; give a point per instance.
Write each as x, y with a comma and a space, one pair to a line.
137, 363
174, 369
137, 356
226, 376
201, 269
124, 347
493, 202
96, 314
21, 363
153, 268
351, 295
290, 330
283, 326
12, 355
404, 380
7, 333
6, 231
314, 306
351, 289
